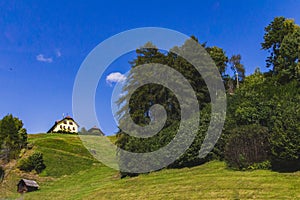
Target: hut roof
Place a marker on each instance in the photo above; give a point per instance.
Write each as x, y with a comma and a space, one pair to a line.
30, 183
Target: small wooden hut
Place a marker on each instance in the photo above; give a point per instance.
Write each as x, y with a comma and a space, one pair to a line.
26, 185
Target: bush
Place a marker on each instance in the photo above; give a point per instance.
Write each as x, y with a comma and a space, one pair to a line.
262, 100
285, 137
247, 146
262, 165
33, 162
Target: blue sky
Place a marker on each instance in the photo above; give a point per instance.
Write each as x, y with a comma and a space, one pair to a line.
43, 43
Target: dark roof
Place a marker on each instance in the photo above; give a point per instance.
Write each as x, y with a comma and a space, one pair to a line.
30, 183
95, 130
58, 121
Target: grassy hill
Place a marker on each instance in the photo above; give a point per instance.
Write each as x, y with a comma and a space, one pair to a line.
63, 154
72, 173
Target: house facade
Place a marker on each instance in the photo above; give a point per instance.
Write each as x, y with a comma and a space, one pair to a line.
67, 124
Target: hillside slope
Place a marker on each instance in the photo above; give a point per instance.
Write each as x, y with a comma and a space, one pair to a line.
73, 174
209, 181
64, 154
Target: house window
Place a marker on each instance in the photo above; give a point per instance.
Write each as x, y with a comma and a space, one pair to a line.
60, 126
73, 128
71, 123
65, 122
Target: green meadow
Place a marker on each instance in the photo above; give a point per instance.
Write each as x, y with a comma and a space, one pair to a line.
72, 173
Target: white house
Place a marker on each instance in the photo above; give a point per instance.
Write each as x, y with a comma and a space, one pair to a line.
67, 124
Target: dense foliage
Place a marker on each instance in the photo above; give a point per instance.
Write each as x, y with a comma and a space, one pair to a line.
285, 127
271, 100
33, 162
13, 137
146, 96
247, 145
262, 127
265, 102
282, 40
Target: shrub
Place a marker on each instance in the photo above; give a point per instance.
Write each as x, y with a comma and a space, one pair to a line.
285, 137
37, 162
247, 146
33, 162
262, 165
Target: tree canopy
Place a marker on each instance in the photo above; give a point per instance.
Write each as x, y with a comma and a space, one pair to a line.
262, 124
13, 137
282, 41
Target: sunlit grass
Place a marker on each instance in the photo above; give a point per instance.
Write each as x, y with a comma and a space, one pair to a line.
63, 154
209, 181
72, 173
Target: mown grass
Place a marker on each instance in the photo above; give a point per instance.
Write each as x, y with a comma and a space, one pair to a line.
77, 175
64, 154
209, 181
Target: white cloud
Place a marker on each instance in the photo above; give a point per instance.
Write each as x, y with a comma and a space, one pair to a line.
42, 58
115, 77
58, 53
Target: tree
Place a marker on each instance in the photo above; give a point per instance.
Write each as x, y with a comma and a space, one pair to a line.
13, 137
263, 101
275, 33
288, 61
219, 57
249, 104
237, 68
146, 96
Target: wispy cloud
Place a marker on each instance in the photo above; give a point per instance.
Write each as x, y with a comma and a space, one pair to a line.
58, 53
115, 77
42, 58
